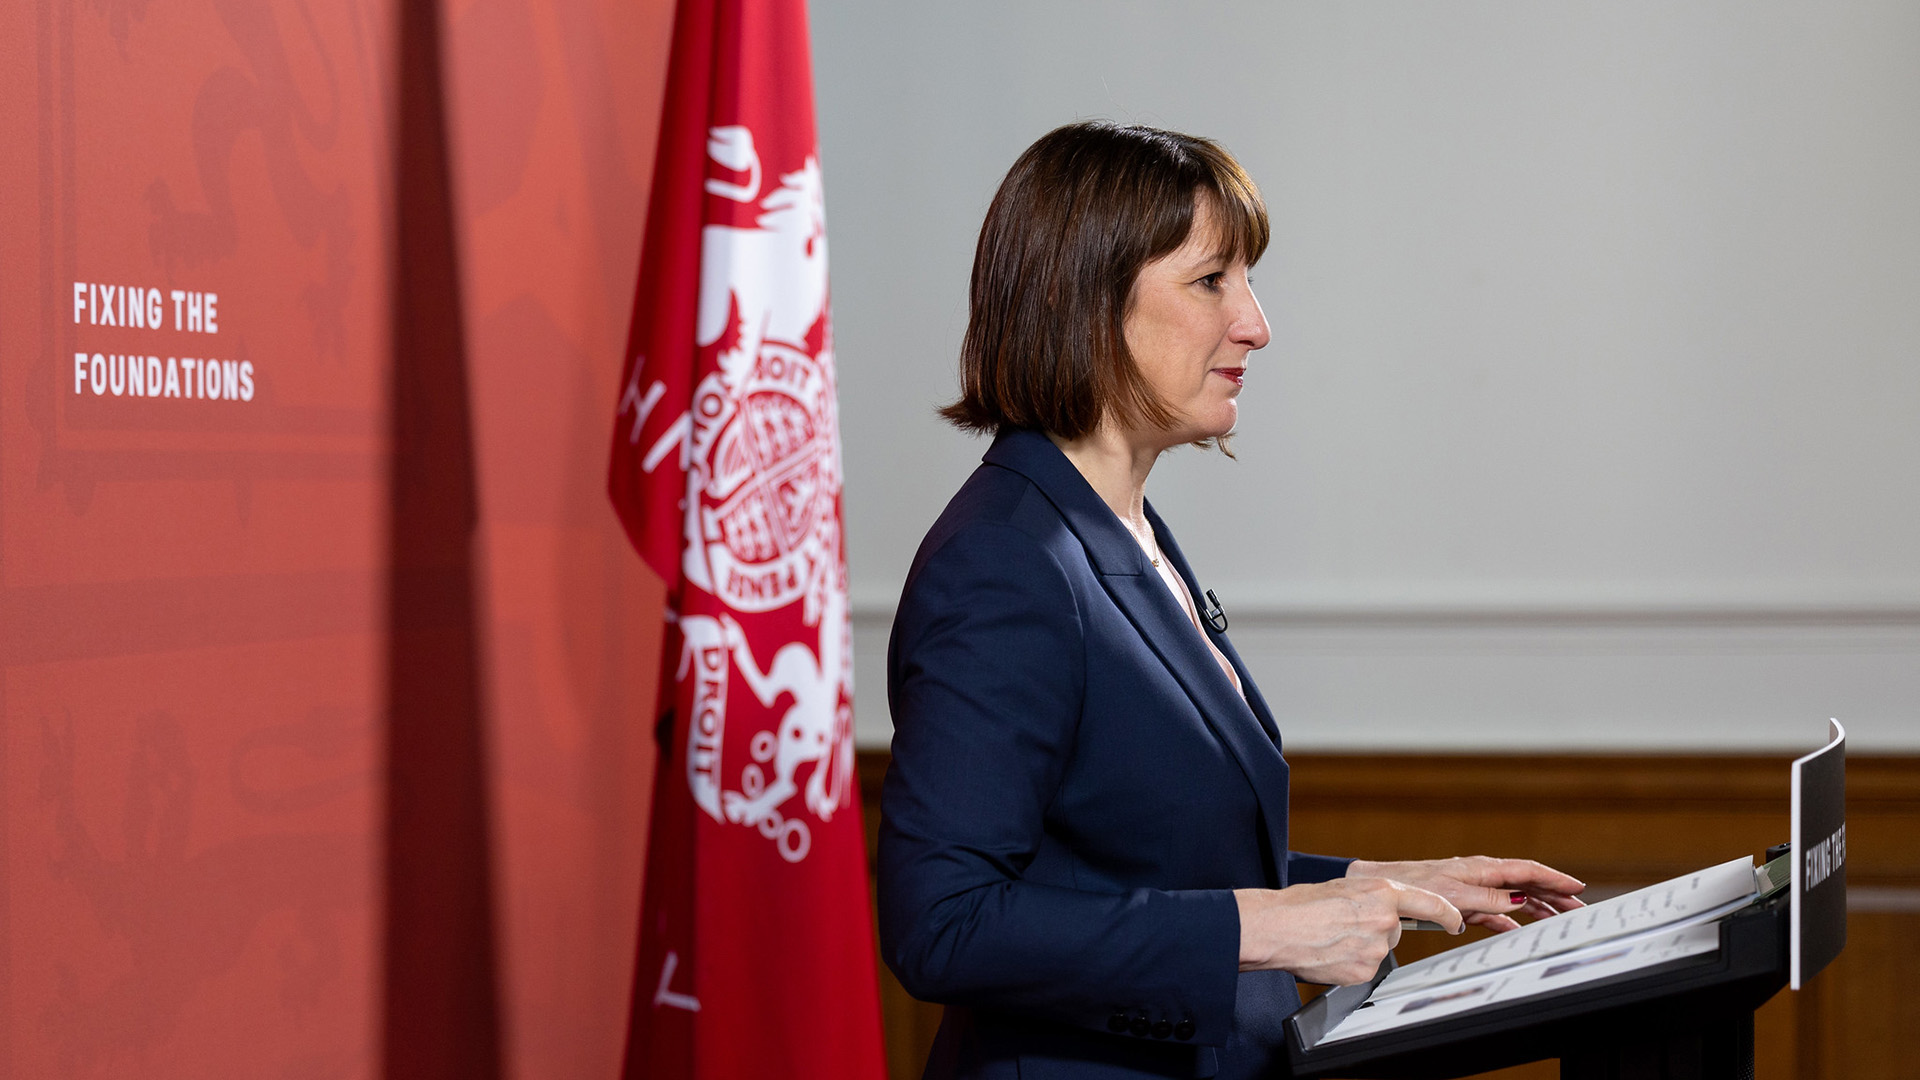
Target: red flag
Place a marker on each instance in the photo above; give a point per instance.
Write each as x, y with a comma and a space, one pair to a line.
756, 945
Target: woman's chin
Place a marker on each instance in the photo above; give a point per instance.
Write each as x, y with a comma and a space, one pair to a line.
1223, 421
1199, 435
1217, 421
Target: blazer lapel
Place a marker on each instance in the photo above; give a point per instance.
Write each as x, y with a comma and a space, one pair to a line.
1137, 590
1256, 703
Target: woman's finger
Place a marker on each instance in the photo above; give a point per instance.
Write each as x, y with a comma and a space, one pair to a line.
1414, 902
1473, 898
1534, 877
1559, 901
1499, 924
1537, 910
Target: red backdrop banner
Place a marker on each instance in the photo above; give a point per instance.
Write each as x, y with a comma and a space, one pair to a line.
193, 621
206, 750
726, 473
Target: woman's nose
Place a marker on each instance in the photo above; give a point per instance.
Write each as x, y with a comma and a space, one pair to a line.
1250, 323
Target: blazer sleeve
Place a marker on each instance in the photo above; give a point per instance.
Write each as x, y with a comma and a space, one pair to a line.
987, 672
1304, 869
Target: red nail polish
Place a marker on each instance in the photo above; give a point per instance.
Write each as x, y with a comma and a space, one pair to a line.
1519, 897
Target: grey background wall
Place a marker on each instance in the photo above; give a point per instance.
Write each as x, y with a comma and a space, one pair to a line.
1592, 413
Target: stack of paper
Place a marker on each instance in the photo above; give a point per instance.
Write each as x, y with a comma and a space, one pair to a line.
1640, 929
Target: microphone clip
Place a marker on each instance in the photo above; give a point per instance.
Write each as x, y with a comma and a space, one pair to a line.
1215, 616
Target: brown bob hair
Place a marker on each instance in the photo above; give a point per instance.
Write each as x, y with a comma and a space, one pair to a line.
1077, 218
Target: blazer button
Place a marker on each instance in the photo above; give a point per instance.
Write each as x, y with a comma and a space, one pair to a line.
1183, 1030
1162, 1028
1139, 1026
1117, 1022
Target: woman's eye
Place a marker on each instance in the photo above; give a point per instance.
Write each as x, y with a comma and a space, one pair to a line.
1214, 280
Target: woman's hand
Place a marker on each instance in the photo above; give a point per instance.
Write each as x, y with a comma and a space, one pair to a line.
1488, 891
1332, 932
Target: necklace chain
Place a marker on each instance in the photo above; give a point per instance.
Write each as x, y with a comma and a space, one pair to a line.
1150, 544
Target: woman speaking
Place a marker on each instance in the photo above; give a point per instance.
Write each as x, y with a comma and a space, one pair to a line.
1083, 851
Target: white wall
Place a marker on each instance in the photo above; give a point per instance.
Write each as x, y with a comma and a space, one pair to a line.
1592, 413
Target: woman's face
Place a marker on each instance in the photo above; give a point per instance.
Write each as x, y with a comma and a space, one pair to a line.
1190, 324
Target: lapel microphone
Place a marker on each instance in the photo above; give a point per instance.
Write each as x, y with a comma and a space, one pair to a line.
1215, 617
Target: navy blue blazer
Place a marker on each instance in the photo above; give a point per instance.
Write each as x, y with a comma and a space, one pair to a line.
1076, 790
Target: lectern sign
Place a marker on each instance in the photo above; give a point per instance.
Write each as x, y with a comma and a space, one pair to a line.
1819, 925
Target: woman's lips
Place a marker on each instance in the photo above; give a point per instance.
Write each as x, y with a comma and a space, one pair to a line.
1238, 375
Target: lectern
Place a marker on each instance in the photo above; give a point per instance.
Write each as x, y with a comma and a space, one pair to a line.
1687, 1019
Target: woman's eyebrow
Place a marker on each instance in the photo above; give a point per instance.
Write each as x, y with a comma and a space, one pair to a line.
1209, 264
